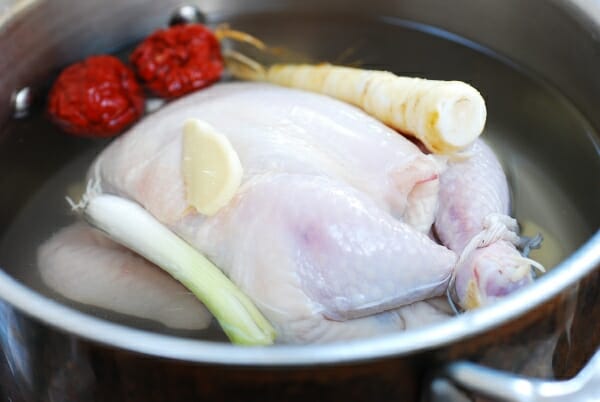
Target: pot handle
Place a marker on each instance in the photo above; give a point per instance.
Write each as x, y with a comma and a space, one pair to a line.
504, 386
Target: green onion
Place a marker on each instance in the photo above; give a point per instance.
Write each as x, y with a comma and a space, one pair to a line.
131, 225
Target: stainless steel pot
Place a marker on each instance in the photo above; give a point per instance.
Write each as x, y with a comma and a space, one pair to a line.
55, 353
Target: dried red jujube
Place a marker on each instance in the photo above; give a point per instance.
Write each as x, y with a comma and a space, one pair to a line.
178, 60
97, 97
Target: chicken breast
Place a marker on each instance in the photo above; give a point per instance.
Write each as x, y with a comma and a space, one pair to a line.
328, 223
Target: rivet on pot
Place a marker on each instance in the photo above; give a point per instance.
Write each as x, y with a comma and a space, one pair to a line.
187, 14
21, 101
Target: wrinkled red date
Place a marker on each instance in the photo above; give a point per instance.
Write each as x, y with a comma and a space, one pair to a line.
98, 97
178, 60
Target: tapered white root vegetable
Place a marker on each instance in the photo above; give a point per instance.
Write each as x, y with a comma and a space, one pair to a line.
446, 116
132, 226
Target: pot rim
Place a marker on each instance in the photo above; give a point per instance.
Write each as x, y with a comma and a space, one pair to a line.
582, 262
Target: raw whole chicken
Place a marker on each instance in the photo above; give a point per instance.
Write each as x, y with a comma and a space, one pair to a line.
329, 222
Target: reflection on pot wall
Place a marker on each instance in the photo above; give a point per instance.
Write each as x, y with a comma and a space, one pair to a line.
17, 345
39, 364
